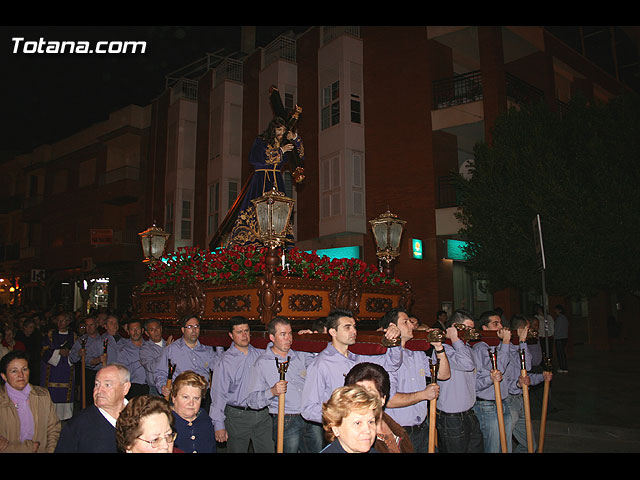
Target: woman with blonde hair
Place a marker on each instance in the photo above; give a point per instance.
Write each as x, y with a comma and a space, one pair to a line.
350, 419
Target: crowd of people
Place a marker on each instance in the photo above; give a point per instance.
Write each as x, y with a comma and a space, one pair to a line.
113, 383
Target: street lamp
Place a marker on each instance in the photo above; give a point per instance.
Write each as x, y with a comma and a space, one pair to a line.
387, 231
273, 214
153, 240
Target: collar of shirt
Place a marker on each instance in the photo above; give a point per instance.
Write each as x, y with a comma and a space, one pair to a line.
109, 418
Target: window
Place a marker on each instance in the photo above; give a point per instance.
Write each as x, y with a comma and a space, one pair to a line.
288, 101
233, 192
330, 187
357, 186
185, 225
330, 112
355, 109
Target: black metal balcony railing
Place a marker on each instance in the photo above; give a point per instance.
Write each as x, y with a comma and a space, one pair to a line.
464, 88
467, 88
521, 92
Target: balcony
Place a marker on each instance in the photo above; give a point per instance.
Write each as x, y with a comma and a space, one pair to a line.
468, 88
123, 173
282, 48
457, 90
331, 32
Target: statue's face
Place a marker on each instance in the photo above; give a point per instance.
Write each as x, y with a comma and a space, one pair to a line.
280, 132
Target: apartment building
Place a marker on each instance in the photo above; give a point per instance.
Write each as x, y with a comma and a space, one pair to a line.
70, 224
388, 113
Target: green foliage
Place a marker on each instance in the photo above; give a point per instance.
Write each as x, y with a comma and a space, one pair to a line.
581, 173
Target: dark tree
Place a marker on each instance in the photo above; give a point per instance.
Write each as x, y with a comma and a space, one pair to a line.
580, 171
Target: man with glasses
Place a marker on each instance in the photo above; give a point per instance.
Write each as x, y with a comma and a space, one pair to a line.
186, 353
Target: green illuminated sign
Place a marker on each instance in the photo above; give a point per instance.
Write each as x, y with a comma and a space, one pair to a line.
416, 248
455, 250
339, 252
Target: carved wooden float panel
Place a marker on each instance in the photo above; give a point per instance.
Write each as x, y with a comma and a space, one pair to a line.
298, 300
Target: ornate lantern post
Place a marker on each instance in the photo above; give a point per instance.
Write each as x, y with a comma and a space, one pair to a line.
273, 214
154, 241
387, 231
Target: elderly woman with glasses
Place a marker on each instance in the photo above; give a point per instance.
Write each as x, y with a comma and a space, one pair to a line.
146, 426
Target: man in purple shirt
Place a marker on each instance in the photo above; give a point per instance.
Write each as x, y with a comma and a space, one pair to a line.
92, 346
486, 407
329, 368
186, 353
234, 421
265, 385
129, 355
514, 381
151, 350
410, 404
457, 425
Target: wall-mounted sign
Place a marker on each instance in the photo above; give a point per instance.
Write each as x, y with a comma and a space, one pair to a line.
416, 248
455, 250
101, 236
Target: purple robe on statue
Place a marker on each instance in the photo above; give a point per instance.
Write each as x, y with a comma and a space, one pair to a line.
57, 374
267, 162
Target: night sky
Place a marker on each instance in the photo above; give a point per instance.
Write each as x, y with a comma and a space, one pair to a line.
47, 97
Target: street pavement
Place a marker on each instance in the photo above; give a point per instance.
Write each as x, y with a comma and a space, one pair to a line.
594, 407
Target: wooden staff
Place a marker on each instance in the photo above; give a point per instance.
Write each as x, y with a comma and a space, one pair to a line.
432, 407
493, 355
171, 367
282, 369
545, 404
83, 342
525, 400
104, 351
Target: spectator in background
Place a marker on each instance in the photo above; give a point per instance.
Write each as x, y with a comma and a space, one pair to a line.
28, 419
561, 337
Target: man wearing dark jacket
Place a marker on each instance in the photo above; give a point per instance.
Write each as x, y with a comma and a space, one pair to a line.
92, 430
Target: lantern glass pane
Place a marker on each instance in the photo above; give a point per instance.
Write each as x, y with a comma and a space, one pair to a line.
395, 231
262, 216
280, 217
380, 234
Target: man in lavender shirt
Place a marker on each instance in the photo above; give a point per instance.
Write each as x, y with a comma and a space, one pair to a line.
328, 370
486, 407
265, 386
234, 421
151, 350
129, 355
514, 381
409, 406
186, 353
457, 425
